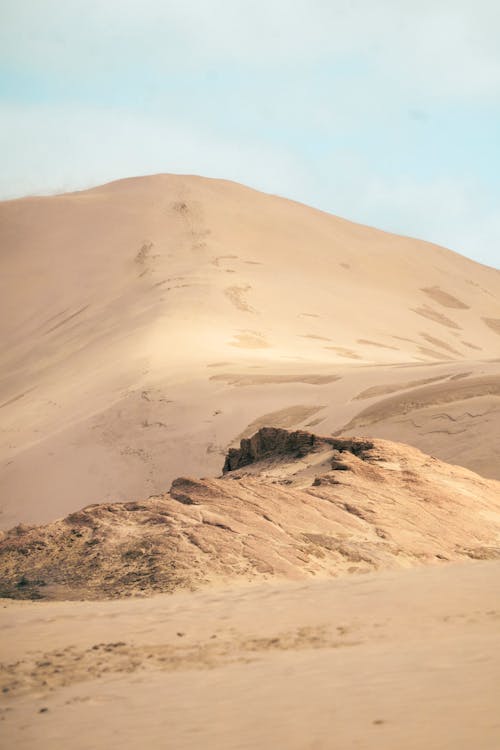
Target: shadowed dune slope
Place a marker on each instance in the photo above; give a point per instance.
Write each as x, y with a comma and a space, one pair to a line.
148, 323
289, 505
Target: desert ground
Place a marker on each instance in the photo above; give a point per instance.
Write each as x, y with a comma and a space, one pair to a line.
382, 661
249, 477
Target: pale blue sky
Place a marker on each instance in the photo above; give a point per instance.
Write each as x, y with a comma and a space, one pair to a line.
384, 112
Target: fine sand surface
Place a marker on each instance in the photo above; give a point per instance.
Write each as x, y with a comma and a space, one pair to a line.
149, 323
397, 659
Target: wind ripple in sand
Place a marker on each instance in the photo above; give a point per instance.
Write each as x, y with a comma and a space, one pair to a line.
439, 342
265, 379
383, 390
67, 319
437, 317
344, 352
443, 298
249, 340
314, 336
442, 393
367, 342
435, 354
493, 323
236, 295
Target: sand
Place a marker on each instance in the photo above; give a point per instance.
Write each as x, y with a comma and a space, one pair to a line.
148, 324
381, 661
121, 303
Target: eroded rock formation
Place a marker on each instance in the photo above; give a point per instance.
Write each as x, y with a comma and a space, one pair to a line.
289, 504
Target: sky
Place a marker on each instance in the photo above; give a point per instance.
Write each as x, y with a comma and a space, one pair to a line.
385, 112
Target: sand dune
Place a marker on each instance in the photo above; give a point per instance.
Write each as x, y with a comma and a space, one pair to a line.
289, 505
147, 326
118, 301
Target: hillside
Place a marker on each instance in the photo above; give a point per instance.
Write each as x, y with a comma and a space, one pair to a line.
289, 505
150, 323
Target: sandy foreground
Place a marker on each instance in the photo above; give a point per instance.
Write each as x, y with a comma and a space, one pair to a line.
407, 659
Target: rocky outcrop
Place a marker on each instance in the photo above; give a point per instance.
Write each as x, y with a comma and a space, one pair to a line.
273, 442
290, 505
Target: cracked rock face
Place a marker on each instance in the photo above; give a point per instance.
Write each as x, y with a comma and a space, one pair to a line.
271, 442
288, 505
